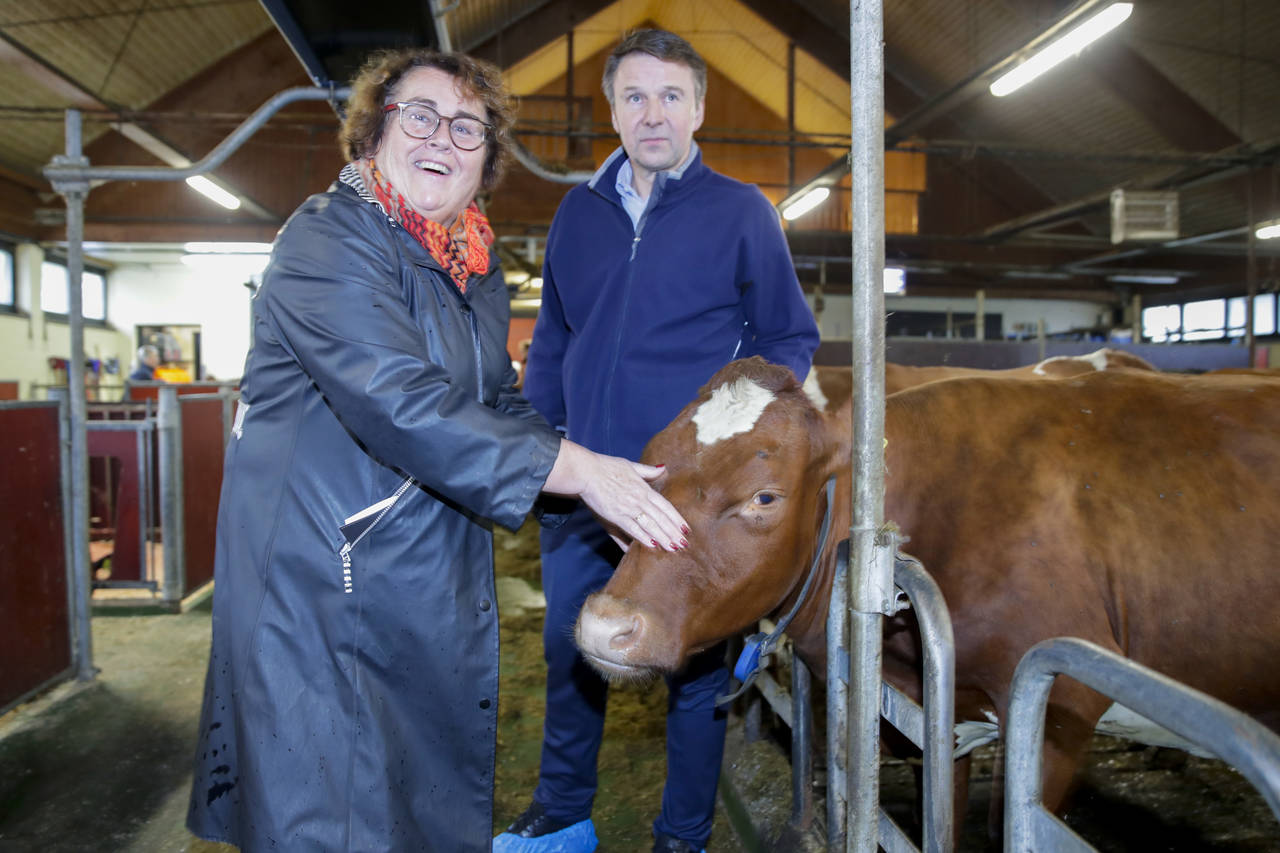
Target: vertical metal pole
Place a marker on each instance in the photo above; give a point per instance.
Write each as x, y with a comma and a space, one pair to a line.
140, 440
74, 193
980, 316
791, 117
172, 525
1135, 317
443, 42
871, 561
801, 744
79, 588
838, 702
1251, 281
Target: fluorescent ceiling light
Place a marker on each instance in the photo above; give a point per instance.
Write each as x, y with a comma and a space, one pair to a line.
805, 203
227, 248
1268, 230
1143, 279
895, 280
208, 188
1064, 48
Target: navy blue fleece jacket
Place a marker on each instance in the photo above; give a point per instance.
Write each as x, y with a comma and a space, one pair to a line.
634, 320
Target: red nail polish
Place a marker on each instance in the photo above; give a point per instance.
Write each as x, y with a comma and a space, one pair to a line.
674, 547
655, 543
684, 528
684, 543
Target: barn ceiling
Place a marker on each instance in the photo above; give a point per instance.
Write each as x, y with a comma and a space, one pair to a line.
1183, 97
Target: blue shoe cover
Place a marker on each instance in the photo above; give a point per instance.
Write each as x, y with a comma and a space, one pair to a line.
577, 838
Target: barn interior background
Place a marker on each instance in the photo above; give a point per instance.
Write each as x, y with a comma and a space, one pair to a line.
1000, 206
1123, 198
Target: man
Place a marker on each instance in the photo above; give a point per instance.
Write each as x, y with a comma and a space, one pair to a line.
658, 271
148, 360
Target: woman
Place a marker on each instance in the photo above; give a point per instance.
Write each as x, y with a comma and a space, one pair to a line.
351, 699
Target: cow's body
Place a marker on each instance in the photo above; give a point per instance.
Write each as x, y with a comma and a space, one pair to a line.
836, 383
1139, 511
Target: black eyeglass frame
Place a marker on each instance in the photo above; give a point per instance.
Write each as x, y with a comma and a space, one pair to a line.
440, 119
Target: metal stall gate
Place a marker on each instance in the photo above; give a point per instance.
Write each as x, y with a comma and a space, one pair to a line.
1231, 735
929, 726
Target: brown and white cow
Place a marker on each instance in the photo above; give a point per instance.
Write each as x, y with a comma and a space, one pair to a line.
1137, 510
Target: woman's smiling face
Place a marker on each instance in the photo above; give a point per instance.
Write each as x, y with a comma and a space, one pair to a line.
436, 177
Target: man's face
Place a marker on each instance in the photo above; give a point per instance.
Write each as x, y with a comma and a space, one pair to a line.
655, 111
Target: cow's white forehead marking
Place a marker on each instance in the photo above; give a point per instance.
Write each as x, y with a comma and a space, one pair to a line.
1097, 359
731, 409
813, 391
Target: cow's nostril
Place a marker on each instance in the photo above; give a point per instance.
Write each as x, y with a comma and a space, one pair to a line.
627, 634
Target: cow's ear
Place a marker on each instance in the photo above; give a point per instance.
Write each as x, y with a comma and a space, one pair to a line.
839, 435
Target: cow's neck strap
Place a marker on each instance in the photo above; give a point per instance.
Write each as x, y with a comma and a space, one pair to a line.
759, 646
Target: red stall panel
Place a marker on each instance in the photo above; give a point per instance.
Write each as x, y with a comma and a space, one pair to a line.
35, 640
202, 450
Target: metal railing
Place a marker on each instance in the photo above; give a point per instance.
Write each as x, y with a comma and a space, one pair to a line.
1232, 735
930, 727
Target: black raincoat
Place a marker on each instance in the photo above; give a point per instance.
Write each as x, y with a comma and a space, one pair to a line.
352, 693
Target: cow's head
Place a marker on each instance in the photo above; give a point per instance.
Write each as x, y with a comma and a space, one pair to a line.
747, 463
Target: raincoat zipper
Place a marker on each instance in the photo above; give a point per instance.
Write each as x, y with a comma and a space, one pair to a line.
345, 551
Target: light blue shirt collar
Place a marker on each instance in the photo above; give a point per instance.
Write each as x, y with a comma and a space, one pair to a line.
632, 203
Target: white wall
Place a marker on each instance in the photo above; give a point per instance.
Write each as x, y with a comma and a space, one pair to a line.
159, 290
168, 292
1059, 314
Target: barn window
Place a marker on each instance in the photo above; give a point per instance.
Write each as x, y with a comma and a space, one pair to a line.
1162, 323
8, 293
1204, 320
1264, 315
54, 292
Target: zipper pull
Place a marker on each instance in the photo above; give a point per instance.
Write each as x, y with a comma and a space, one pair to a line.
635, 244
345, 553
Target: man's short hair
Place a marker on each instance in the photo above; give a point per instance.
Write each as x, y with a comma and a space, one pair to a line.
148, 351
659, 44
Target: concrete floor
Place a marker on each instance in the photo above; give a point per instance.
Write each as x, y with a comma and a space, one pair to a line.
106, 765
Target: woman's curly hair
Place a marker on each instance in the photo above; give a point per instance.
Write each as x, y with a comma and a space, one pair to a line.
374, 87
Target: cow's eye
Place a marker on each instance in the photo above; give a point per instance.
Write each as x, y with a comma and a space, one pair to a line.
763, 498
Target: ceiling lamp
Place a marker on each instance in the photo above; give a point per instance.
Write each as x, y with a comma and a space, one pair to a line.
1064, 48
805, 203
209, 189
1268, 230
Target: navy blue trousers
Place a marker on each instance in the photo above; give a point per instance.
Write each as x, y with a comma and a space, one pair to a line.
577, 560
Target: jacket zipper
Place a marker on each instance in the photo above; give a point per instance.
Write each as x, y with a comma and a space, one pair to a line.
626, 302
345, 551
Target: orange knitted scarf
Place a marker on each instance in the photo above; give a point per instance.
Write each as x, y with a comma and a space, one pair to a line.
460, 262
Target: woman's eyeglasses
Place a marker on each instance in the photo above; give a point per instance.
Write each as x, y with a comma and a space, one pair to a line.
421, 121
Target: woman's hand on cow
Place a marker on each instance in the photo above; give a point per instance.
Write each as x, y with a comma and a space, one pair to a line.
619, 492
